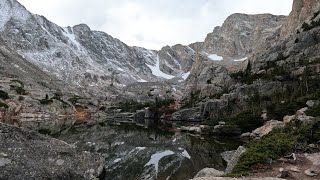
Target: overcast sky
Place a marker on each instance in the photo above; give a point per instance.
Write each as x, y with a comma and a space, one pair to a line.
152, 23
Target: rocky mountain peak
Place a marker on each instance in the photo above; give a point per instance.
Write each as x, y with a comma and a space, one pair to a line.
12, 10
237, 38
240, 34
302, 11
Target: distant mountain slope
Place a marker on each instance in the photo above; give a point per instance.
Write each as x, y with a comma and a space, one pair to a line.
81, 57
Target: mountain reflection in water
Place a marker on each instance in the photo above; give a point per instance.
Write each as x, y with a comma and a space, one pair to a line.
134, 152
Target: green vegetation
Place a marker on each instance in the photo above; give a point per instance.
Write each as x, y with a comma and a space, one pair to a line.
57, 96
20, 98
192, 101
44, 84
260, 151
75, 99
315, 111
18, 81
276, 144
46, 101
313, 24
19, 89
133, 106
3, 105
279, 110
4, 95
294, 99
247, 120
102, 108
250, 78
274, 72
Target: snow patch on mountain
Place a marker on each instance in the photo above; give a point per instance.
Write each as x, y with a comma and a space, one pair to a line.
242, 59
186, 154
71, 37
155, 158
157, 72
185, 75
215, 57
174, 60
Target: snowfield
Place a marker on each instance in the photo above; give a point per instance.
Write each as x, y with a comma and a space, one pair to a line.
215, 57
157, 72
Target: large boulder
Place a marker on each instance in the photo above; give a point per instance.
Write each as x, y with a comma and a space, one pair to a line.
267, 128
312, 103
227, 155
209, 172
28, 155
235, 158
187, 115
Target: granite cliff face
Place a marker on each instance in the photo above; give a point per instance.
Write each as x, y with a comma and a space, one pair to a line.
302, 11
177, 59
240, 34
236, 39
282, 72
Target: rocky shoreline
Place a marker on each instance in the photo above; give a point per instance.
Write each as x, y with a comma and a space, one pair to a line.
25, 154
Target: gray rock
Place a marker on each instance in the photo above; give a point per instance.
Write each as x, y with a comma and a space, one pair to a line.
295, 169
227, 156
302, 111
312, 103
302, 11
39, 157
4, 161
60, 162
305, 119
235, 158
241, 33
267, 128
310, 172
314, 158
288, 119
209, 172
246, 135
283, 173
195, 129
187, 114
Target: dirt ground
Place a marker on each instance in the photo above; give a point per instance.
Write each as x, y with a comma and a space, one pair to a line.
296, 167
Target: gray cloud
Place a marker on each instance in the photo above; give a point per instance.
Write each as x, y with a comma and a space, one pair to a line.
152, 23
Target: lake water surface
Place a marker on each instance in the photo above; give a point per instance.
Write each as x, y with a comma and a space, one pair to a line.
134, 152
